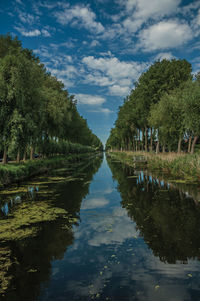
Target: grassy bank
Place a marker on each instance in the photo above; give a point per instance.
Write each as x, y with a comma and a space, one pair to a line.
16, 172
184, 167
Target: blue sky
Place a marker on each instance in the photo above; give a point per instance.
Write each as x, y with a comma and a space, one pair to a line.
99, 48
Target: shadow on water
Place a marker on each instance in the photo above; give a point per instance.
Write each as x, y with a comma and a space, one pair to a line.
166, 215
37, 220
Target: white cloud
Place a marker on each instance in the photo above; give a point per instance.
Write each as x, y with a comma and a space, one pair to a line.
119, 91
117, 75
98, 79
112, 67
69, 71
45, 33
105, 111
190, 7
198, 18
94, 203
119, 228
32, 33
80, 15
164, 55
164, 35
93, 100
58, 65
139, 12
112, 32
142, 8
95, 43
27, 18
67, 44
196, 24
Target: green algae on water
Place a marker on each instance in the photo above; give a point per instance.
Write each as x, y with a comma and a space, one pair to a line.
5, 265
26, 219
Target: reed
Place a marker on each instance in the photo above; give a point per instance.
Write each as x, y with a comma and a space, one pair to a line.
178, 166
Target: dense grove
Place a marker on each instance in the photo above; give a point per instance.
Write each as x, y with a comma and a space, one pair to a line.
162, 112
37, 114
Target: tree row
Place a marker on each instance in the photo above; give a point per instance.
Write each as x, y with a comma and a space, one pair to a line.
36, 111
162, 112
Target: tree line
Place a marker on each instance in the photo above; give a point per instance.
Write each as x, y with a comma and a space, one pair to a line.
36, 111
162, 112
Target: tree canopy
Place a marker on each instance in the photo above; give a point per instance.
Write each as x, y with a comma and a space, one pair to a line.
163, 110
36, 111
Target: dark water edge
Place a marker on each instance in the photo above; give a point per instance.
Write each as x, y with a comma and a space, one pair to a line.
126, 235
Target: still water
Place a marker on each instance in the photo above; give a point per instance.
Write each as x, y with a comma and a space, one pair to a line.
128, 236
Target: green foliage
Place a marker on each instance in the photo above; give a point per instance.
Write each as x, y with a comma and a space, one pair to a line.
13, 172
163, 109
36, 112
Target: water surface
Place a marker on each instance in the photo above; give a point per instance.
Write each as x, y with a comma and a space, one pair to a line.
131, 236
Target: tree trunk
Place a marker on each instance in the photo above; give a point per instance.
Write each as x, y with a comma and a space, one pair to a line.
143, 140
179, 145
189, 144
5, 156
151, 143
31, 153
163, 149
157, 147
133, 144
139, 146
24, 157
146, 139
18, 156
193, 144
136, 144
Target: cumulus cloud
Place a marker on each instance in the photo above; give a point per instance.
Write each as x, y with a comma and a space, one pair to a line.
117, 75
164, 55
122, 228
94, 203
113, 68
32, 33
80, 15
93, 100
164, 35
142, 9
119, 90
139, 12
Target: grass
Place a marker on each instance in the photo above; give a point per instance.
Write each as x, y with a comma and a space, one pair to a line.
182, 166
16, 172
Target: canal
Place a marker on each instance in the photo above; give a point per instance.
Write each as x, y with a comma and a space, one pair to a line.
99, 230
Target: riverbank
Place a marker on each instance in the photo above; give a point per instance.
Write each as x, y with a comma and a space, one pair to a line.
179, 167
17, 172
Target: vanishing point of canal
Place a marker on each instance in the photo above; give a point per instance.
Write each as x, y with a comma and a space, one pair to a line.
126, 235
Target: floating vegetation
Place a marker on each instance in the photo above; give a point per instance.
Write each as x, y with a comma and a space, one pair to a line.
70, 179
5, 265
25, 220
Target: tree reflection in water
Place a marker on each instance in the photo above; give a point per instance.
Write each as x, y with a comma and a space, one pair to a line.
167, 217
25, 264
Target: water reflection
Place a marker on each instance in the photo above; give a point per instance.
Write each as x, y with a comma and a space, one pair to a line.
123, 243
26, 264
166, 215
7, 201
